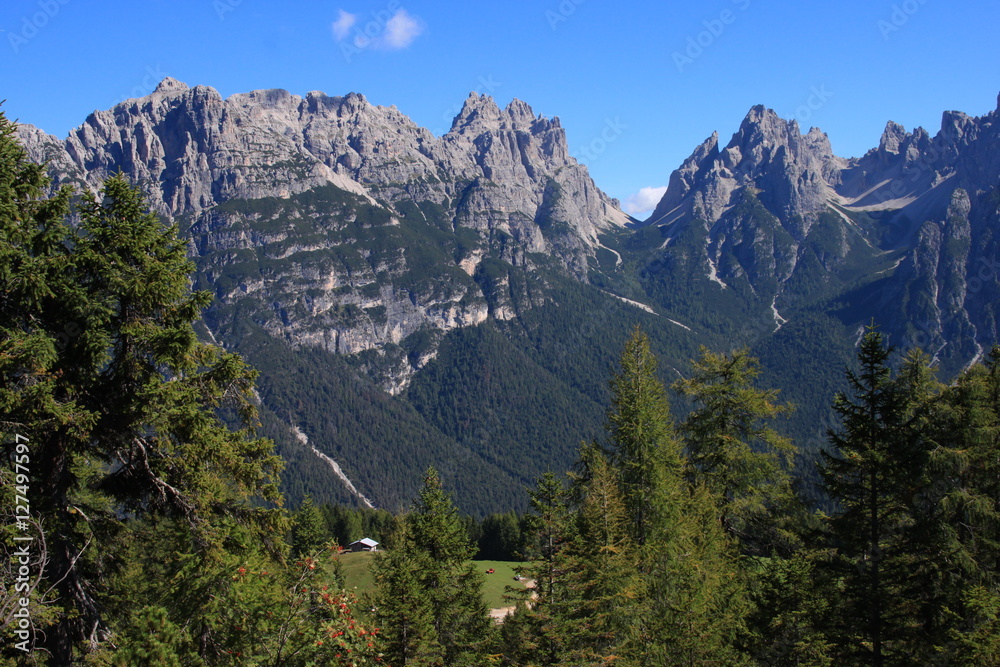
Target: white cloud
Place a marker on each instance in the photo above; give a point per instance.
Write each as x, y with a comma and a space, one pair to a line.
644, 201
343, 24
400, 31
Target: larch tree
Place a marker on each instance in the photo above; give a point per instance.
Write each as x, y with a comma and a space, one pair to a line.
733, 449
687, 606
643, 446
602, 566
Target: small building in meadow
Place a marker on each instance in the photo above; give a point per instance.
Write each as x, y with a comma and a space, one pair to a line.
364, 544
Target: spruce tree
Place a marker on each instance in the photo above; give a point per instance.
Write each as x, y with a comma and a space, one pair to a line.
874, 470
155, 640
402, 606
428, 594
101, 371
968, 430
309, 529
536, 632
958, 517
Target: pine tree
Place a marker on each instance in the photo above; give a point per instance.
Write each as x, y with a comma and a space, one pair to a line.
101, 370
308, 528
428, 594
733, 450
873, 473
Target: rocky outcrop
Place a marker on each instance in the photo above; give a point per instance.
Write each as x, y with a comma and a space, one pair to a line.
795, 174
191, 150
250, 176
934, 287
798, 175
784, 216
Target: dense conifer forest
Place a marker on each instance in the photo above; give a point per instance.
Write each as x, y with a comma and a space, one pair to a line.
143, 522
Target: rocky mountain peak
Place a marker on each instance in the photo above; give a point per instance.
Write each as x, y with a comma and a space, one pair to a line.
819, 143
520, 114
479, 112
770, 154
502, 171
707, 149
353, 103
955, 125
171, 85
763, 128
686, 177
892, 138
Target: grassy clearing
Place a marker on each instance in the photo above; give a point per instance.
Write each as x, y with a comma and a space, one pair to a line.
495, 585
357, 574
357, 571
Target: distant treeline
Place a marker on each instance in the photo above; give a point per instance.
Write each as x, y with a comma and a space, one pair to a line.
499, 536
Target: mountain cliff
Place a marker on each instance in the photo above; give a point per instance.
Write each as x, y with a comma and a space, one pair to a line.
458, 300
902, 232
499, 184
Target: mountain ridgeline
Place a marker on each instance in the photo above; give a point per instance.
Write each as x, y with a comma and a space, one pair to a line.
459, 301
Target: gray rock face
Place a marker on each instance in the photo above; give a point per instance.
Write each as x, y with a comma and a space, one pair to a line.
192, 150
794, 173
935, 286
501, 179
799, 176
929, 200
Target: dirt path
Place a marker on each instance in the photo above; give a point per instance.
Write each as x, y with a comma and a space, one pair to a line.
499, 614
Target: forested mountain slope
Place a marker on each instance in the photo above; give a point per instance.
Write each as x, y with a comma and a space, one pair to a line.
458, 301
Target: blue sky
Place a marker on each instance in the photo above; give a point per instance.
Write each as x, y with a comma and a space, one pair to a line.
636, 85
